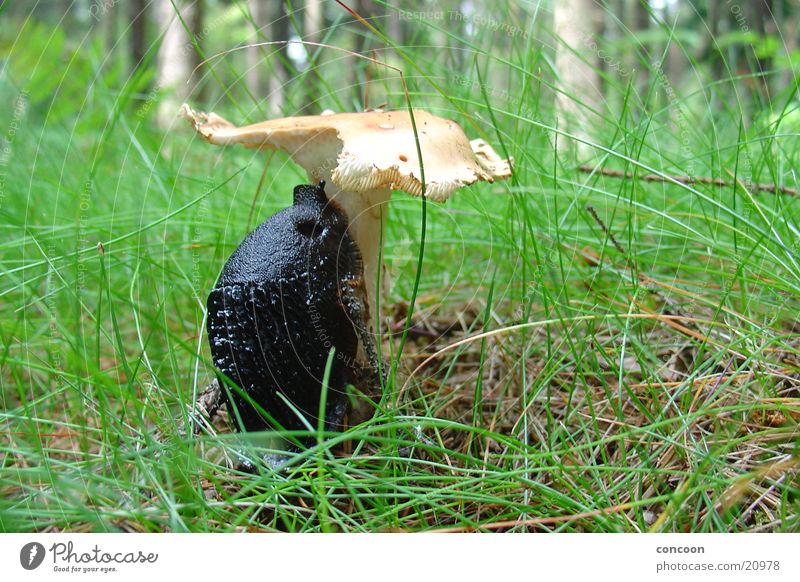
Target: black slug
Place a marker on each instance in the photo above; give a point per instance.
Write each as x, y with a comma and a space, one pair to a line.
285, 298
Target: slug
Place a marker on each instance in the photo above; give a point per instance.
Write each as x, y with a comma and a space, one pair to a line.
285, 299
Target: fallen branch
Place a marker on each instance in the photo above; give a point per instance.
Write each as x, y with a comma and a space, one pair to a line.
774, 188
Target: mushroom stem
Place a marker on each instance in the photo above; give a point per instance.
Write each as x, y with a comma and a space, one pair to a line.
366, 213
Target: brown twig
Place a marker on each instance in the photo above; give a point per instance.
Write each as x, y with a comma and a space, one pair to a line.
609, 234
774, 188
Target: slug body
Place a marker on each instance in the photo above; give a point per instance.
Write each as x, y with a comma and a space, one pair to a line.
284, 299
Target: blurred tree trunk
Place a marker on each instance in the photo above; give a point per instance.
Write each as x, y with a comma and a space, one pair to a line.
676, 61
109, 25
313, 21
138, 38
396, 30
711, 53
394, 26
177, 56
267, 73
313, 25
255, 55
368, 11
789, 18
576, 25
640, 24
765, 25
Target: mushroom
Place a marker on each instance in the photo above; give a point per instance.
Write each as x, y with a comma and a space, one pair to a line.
363, 157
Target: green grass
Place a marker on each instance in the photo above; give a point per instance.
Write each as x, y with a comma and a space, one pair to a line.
632, 367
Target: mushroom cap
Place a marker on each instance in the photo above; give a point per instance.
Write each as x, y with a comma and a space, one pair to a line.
365, 151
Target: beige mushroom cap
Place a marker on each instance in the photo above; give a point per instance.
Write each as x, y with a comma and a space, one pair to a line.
366, 151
